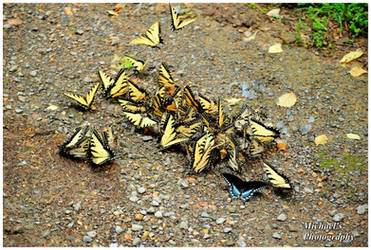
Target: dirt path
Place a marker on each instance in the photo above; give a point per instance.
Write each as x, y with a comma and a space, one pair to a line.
154, 199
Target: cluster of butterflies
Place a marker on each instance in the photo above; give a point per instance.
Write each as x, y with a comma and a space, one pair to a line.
89, 144
197, 125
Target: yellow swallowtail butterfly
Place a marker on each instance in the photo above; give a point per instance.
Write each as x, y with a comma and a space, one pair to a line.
151, 37
86, 101
175, 20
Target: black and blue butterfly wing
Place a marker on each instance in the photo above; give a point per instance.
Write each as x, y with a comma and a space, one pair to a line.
241, 189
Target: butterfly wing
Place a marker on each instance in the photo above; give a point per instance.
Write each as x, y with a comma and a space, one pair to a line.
250, 188
139, 120
77, 146
136, 93
157, 105
164, 78
106, 80
207, 105
221, 117
81, 150
189, 129
277, 180
134, 118
151, 37
153, 33
191, 100
203, 152
175, 20
261, 131
255, 148
131, 106
75, 138
169, 138
99, 149
232, 150
91, 95
137, 64
240, 188
147, 122
120, 87
80, 99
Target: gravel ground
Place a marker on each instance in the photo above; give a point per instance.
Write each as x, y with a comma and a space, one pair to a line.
151, 198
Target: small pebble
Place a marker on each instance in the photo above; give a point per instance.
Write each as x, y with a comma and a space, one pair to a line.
76, 206
183, 225
22, 98
79, 32
18, 110
141, 190
136, 227
220, 220
183, 183
158, 214
115, 40
87, 239
33, 73
151, 210
118, 230
87, 79
332, 212
133, 198
22, 163
155, 203
361, 209
338, 217
281, 217
305, 129
67, 211
292, 228
136, 241
231, 209
91, 234
13, 68
241, 241
276, 235
310, 119
227, 229
139, 217
355, 234
205, 215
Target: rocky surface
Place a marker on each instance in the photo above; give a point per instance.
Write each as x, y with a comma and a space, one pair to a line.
152, 198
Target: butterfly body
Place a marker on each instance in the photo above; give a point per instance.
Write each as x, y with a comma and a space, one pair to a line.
242, 189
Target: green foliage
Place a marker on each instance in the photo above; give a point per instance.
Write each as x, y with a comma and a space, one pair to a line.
126, 63
352, 16
348, 163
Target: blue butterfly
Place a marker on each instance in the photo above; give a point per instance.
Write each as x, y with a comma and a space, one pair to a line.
242, 189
